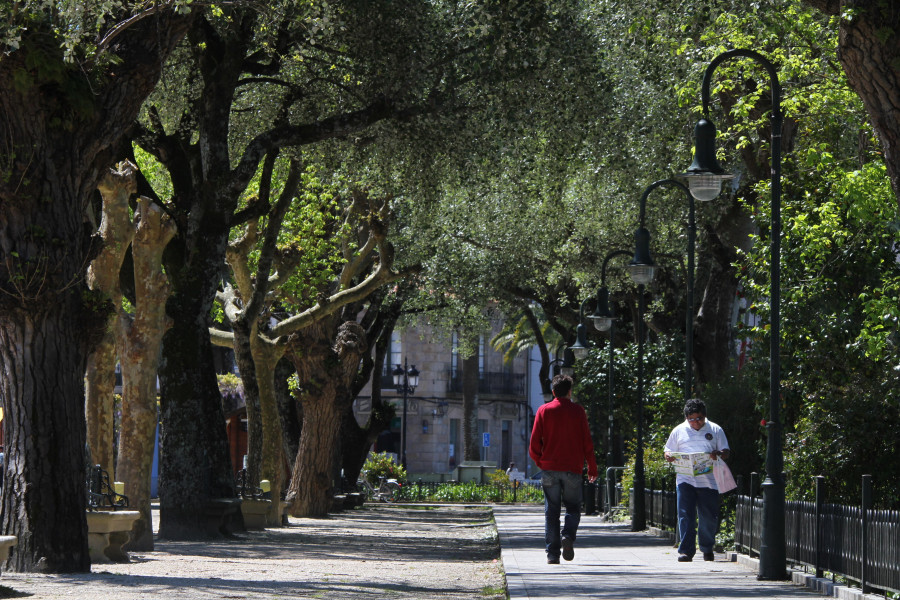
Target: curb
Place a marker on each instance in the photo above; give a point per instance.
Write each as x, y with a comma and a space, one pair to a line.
821, 585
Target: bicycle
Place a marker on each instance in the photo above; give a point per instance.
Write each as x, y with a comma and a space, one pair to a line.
388, 490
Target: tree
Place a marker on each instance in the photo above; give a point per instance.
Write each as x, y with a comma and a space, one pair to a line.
317, 338
395, 76
869, 50
71, 81
137, 337
117, 232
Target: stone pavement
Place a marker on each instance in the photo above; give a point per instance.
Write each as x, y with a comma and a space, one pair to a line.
612, 562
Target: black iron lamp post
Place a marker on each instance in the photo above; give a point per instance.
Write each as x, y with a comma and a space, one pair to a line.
604, 320
704, 179
692, 235
642, 269
563, 366
581, 346
406, 380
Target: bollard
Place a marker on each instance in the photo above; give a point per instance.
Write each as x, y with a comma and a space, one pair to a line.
610, 489
589, 500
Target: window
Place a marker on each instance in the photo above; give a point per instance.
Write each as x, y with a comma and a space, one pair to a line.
481, 357
394, 354
454, 355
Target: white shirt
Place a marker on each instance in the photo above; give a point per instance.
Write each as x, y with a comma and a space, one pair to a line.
708, 438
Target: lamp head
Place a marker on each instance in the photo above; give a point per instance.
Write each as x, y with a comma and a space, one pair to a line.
705, 175
568, 366
397, 374
642, 268
413, 377
580, 348
602, 316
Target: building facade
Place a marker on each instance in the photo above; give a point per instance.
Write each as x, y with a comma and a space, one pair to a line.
434, 411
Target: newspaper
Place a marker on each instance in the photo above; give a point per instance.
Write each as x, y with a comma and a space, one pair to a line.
692, 463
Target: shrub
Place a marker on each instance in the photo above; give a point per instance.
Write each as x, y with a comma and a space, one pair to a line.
382, 465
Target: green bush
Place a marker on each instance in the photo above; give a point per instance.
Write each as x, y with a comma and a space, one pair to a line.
382, 465
471, 491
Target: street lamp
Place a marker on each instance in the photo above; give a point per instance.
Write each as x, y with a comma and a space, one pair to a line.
641, 268
564, 365
692, 234
604, 320
704, 170
581, 346
406, 380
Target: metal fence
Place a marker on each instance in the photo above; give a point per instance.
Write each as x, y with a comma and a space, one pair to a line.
843, 541
856, 542
661, 509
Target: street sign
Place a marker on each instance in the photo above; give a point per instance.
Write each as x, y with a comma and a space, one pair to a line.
486, 439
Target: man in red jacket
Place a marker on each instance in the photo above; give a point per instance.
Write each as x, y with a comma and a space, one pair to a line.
560, 445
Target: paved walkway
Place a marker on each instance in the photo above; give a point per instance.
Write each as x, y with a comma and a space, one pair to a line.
611, 562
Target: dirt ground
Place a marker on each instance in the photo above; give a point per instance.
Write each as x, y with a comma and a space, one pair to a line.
372, 553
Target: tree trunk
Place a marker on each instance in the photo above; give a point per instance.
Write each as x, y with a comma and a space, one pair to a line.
117, 232
100, 395
142, 339
271, 448
44, 439
245, 331
714, 323
290, 413
470, 377
356, 440
194, 466
57, 137
326, 374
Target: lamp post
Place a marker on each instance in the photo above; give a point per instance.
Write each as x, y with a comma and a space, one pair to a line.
604, 320
564, 365
704, 178
692, 235
406, 380
642, 269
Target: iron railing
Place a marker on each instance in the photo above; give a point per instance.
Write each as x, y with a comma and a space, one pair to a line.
489, 382
861, 545
856, 542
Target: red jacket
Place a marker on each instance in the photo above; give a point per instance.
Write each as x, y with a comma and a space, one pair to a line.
561, 440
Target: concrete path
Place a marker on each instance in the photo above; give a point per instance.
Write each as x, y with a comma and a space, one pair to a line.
611, 562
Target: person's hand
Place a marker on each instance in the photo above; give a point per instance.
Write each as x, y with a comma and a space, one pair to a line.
592, 478
669, 458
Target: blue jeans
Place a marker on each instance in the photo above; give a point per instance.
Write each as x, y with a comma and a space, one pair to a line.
694, 502
560, 487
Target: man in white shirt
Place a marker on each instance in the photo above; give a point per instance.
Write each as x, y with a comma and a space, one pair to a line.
697, 494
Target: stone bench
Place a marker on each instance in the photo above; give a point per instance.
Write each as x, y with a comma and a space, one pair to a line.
6, 544
108, 531
255, 511
220, 516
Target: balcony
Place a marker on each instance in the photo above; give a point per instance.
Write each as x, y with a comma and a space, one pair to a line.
507, 384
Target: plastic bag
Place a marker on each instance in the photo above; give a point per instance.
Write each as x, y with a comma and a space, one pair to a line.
724, 478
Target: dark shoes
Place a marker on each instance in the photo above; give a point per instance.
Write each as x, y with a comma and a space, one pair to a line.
685, 558
568, 551
709, 556
552, 561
